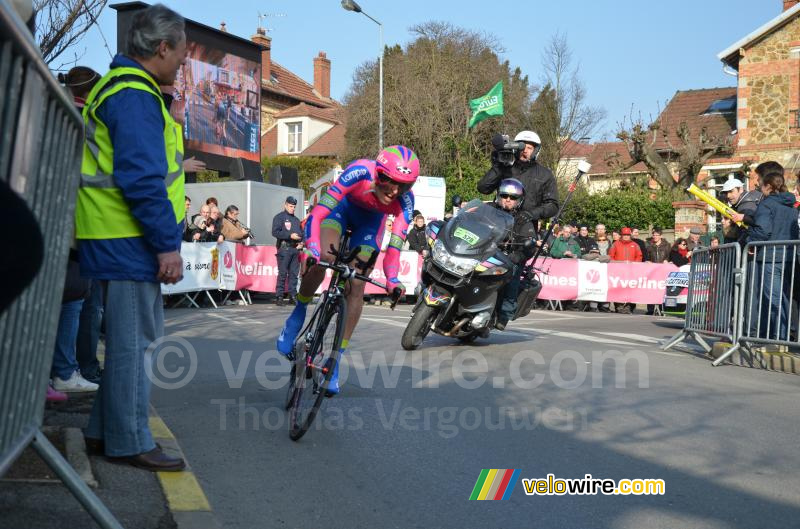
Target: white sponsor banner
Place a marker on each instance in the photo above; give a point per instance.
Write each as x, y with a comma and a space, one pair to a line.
227, 268
200, 268
593, 281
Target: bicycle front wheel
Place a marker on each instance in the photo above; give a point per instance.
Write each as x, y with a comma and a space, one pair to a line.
314, 367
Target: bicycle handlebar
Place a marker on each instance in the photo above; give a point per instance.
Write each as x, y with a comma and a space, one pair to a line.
349, 273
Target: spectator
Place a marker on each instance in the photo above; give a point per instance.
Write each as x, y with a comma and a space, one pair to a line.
232, 229
188, 203
129, 227
601, 237
745, 204
714, 242
387, 232
565, 245
202, 232
78, 334
585, 242
694, 242
193, 232
288, 235
214, 223
416, 237
626, 250
680, 255
775, 219
65, 372
212, 201
658, 250
614, 237
642, 245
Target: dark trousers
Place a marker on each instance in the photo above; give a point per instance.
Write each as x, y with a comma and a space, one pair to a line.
507, 298
89, 330
288, 270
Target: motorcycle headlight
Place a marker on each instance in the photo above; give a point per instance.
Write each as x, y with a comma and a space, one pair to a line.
457, 265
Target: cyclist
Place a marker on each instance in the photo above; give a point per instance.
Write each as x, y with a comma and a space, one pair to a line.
365, 194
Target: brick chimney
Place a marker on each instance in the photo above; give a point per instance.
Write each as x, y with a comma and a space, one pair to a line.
265, 42
788, 4
322, 75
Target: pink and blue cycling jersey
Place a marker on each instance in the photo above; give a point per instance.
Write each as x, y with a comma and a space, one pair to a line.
351, 203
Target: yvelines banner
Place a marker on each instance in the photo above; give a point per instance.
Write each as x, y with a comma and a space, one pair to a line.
568, 279
231, 266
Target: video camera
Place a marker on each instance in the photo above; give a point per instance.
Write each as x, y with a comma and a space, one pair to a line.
505, 150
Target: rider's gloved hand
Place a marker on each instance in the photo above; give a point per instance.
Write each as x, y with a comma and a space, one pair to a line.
393, 284
311, 255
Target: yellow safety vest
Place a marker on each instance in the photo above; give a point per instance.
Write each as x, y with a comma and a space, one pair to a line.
101, 211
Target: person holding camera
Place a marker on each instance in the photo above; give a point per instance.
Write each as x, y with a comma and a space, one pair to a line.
517, 160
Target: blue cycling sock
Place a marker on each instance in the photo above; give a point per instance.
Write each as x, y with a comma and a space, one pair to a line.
290, 329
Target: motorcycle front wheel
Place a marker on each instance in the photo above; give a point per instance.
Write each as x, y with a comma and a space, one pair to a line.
418, 327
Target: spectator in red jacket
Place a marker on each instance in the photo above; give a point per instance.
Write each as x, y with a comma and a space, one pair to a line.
625, 249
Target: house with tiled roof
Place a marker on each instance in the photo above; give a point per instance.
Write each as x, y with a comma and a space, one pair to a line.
298, 118
767, 65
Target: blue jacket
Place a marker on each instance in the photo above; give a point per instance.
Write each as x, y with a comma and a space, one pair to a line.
136, 127
775, 219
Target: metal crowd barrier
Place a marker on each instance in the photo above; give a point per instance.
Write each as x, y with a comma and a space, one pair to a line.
40, 150
711, 306
768, 299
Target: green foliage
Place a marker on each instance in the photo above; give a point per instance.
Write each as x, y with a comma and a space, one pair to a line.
639, 208
309, 168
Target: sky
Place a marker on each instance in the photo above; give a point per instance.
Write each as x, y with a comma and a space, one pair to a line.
632, 55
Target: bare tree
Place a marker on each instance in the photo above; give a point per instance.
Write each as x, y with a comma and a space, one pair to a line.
62, 23
678, 165
563, 99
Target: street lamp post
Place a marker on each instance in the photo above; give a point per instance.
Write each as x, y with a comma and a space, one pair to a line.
350, 5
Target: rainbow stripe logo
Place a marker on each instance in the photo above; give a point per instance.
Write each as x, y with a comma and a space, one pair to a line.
495, 484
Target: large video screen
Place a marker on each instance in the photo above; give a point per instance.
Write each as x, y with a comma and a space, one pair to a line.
216, 96
216, 101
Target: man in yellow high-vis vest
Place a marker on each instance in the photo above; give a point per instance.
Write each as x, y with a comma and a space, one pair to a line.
128, 222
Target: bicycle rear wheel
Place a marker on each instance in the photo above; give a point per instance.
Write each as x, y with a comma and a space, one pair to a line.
314, 367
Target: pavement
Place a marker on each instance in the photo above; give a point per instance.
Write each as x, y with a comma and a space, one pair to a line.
559, 393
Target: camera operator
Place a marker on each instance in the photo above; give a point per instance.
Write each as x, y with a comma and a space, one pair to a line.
517, 160
232, 229
511, 198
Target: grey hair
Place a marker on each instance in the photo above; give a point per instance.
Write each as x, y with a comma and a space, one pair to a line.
152, 25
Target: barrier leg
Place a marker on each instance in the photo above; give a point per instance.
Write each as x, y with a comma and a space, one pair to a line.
211, 298
702, 342
675, 340
726, 354
74, 483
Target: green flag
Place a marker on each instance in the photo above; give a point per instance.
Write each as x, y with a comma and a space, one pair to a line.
489, 105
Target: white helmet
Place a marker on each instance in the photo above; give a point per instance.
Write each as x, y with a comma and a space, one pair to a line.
528, 136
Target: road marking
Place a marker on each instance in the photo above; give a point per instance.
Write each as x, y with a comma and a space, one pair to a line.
576, 336
638, 337
383, 320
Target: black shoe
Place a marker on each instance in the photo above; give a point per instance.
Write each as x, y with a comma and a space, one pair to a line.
293, 300
279, 302
94, 378
155, 460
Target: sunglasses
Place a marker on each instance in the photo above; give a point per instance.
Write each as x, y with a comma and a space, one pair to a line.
508, 196
385, 179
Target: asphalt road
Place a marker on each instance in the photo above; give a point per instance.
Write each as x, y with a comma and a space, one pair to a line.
406, 448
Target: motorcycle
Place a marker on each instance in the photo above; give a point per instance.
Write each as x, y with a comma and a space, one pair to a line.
462, 275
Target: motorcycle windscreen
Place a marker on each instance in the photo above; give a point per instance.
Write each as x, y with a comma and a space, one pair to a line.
477, 230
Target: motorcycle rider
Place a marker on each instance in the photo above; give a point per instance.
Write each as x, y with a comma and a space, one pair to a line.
541, 200
510, 198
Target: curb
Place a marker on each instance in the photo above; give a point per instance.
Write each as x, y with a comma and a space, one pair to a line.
781, 362
186, 500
